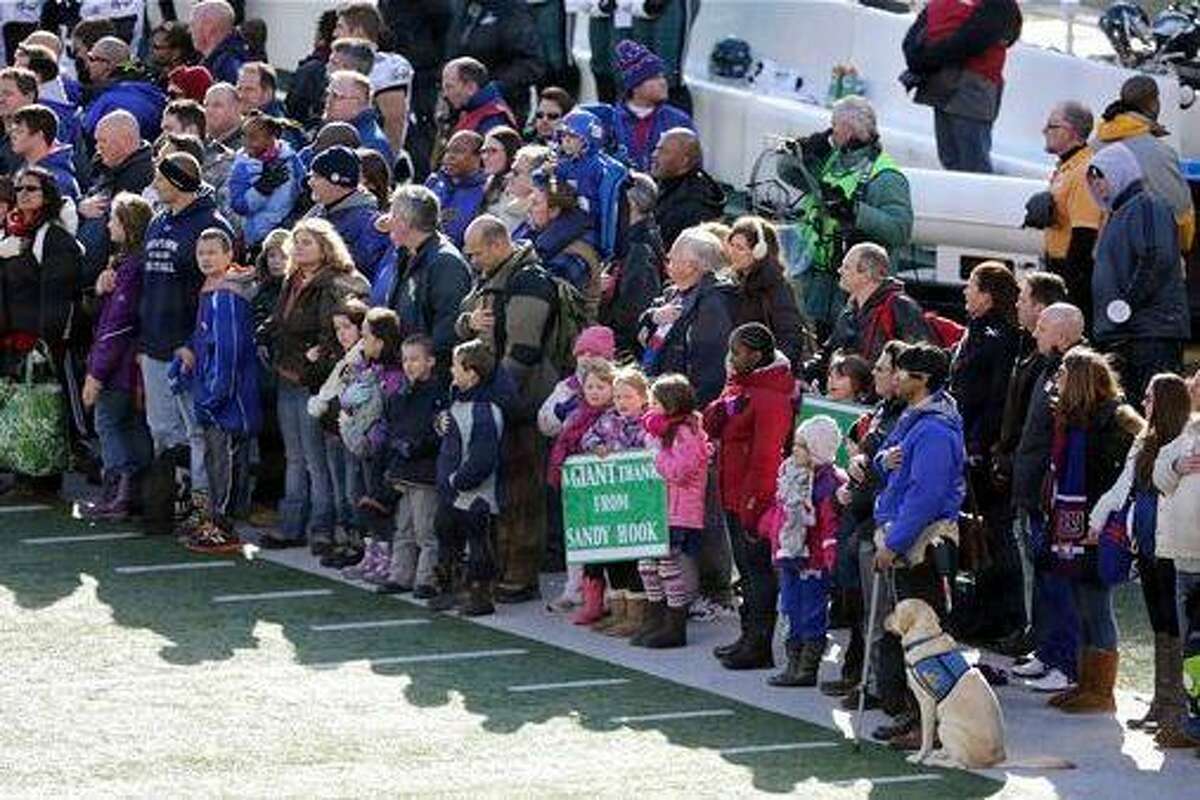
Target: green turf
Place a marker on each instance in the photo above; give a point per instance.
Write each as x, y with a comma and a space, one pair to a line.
139, 685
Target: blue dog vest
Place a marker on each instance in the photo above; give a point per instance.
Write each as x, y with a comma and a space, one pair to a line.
939, 674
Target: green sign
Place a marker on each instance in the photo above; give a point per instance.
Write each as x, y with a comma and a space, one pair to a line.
614, 508
845, 414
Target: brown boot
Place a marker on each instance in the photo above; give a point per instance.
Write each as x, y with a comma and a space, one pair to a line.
1081, 682
616, 613
1172, 696
1098, 696
635, 613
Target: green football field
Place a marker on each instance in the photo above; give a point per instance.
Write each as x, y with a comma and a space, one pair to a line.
134, 668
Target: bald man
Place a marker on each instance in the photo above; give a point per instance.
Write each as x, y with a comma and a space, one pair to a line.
125, 165
218, 40
687, 195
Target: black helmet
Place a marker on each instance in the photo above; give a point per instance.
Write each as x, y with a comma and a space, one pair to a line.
730, 58
1123, 23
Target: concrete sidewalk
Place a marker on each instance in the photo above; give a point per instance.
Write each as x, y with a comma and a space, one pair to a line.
1111, 760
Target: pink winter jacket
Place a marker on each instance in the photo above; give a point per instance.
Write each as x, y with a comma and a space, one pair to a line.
684, 466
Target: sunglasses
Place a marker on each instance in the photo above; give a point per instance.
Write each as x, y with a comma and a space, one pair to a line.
29, 189
550, 115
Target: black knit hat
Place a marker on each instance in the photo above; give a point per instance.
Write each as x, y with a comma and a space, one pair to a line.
339, 165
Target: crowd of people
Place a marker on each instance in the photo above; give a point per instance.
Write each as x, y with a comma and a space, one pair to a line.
374, 314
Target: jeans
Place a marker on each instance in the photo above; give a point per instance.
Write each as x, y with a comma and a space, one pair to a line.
125, 444
963, 144
308, 492
1098, 623
1185, 583
345, 477
415, 544
1055, 621
172, 418
227, 464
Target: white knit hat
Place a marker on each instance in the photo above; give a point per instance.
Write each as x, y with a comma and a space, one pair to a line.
823, 437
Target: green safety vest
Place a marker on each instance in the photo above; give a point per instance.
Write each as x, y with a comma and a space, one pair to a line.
818, 231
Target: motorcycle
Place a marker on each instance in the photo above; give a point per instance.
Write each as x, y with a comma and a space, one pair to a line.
1168, 43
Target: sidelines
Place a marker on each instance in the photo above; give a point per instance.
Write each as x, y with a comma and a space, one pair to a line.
579, 684
22, 509
290, 594
773, 748
178, 567
669, 715
854, 782
90, 537
426, 658
358, 626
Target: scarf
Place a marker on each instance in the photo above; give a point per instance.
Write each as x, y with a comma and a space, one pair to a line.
567, 443
1068, 501
17, 225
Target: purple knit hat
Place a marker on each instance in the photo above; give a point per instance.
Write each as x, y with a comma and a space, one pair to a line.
637, 64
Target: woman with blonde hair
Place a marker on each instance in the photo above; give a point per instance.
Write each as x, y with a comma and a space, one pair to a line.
320, 276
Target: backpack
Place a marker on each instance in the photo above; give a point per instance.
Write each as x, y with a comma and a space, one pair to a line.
944, 332
569, 319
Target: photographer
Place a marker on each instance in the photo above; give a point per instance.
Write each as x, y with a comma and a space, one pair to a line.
859, 195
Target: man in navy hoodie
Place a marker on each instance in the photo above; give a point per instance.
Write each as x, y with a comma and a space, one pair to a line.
119, 82
32, 135
170, 293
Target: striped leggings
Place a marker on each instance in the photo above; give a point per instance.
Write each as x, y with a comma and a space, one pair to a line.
672, 578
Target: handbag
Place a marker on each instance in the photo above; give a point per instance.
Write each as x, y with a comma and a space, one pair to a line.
33, 430
1114, 551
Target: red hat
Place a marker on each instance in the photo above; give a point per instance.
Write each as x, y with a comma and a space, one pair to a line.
189, 82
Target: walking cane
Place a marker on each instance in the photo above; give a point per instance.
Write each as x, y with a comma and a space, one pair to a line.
866, 668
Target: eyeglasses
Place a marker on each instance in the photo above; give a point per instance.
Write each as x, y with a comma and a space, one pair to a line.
29, 189
101, 59
1050, 126
550, 115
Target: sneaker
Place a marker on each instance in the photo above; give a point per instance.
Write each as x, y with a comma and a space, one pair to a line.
1053, 681
1032, 668
212, 540
704, 609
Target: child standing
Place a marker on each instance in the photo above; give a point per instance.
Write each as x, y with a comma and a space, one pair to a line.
674, 429
806, 545
265, 180
468, 479
620, 428
112, 373
411, 470
223, 366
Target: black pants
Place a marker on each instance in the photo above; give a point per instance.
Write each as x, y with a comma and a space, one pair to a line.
999, 598
460, 530
919, 582
621, 575
756, 574
1158, 590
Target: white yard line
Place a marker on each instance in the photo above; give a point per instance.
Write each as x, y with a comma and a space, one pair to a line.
90, 537
772, 748
868, 782
669, 715
580, 684
358, 626
22, 509
292, 594
181, 566
422, 659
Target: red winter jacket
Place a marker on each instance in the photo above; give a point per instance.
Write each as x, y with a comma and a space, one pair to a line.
751, 420
946, 17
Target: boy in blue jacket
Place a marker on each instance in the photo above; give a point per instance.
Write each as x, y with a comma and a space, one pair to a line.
221, 365
468, 480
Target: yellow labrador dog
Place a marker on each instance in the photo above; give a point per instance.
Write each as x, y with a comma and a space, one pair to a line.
954, 696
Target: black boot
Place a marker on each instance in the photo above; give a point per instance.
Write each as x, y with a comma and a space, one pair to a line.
721, 651
651, 622
793, 673
449, 584
672, 633
755, 651
479, 600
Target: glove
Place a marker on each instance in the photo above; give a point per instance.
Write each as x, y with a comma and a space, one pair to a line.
11, 246
837, 205
734, 404
563, 410
910, 80
1039, 211
273, 176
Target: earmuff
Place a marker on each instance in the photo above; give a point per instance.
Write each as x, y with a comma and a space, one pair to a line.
760, 247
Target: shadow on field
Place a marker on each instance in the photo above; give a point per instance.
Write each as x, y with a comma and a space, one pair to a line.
180, 608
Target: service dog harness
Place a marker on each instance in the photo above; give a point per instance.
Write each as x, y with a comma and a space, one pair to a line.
940, 673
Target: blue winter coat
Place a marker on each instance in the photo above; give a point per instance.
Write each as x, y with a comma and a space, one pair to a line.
461, 200
468, 463
226, 59
225, 378
61, 163
600, 181
70, 131
619, 123
413, 444
263, 213
551, 243
141, 98
1137, 260
171, 281
354, 218
371, 135
928, 486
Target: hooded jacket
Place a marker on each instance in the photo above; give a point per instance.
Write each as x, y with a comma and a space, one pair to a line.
371, 136
461, 200
225, 379
632, 140
1138, 267
468, 462
486, 109
928, 486
113, 357
354, 218
1179, 507
262, 213
638, 281
413, 443
133, 174
751, 421
684, 468
132, 90
227, 58
1158, 161
61, 163
40, 286
171, 281
687, 200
